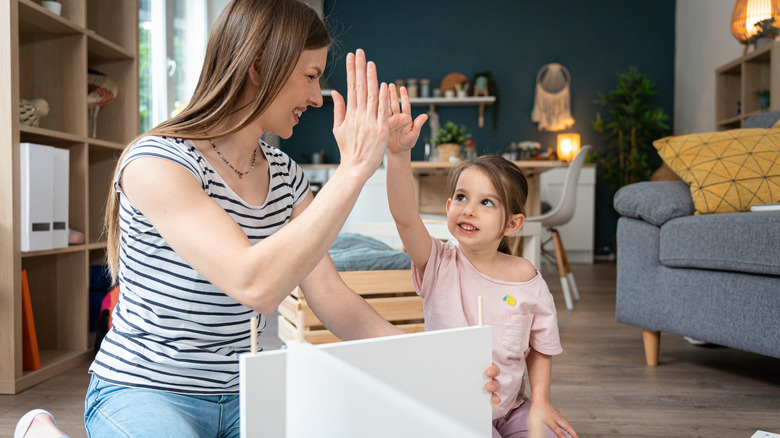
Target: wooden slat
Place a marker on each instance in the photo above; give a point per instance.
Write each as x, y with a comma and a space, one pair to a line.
368, 283
390, 308
287, 332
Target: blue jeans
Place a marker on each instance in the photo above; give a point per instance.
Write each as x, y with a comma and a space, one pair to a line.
119, 411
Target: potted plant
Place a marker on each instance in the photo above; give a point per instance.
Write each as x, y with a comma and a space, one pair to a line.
54, 6
448, 140
630, 126
766, 33
763, 98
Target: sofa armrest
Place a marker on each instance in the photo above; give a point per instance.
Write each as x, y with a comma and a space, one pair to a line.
654, 202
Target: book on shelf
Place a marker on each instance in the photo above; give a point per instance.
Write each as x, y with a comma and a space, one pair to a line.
31, 359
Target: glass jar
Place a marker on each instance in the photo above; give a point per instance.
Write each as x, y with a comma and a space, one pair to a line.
425, 88
411, 87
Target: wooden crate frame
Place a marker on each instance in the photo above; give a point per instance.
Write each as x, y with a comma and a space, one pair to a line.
390, 293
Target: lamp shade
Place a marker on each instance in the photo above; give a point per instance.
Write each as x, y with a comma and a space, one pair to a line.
568, 146
749, 12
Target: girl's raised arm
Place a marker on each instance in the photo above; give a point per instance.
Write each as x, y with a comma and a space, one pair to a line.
400, 187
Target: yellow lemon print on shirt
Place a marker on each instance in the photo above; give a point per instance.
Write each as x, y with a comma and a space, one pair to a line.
510, 300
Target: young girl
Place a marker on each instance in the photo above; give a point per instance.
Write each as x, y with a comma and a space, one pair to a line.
488, 196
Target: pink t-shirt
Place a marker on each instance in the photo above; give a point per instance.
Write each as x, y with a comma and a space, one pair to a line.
521, 314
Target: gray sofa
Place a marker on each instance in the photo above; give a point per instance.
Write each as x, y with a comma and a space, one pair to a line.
714, 278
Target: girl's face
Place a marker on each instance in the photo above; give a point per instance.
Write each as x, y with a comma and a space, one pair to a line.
475, 215
301, 90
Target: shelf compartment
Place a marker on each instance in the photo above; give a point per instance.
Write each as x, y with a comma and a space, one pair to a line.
101, 20
117, 122
34, 18
756, 75
58, 287
49, 68
729, 86
101, 170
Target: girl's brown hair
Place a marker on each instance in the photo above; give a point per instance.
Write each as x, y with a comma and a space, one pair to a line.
508, 180
276, 30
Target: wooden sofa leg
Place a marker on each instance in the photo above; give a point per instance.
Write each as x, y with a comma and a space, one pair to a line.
652, 345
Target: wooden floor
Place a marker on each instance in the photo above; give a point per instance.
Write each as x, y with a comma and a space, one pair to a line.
600, 382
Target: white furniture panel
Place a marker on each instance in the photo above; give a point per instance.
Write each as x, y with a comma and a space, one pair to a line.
381, 387
577, 235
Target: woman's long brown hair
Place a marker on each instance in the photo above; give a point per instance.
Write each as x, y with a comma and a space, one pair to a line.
276, 30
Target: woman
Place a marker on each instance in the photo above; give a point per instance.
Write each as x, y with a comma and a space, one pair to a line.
208, 226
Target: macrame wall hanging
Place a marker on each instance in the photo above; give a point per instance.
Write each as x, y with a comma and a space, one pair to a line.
552, 104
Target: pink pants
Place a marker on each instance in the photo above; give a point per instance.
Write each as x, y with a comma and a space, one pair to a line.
515, 424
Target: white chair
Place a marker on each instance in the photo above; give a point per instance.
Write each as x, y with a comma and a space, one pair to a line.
560, 215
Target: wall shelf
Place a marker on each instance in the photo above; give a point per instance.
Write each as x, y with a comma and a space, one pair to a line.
433, 102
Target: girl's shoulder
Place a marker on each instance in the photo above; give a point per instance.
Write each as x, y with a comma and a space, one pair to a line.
519, 268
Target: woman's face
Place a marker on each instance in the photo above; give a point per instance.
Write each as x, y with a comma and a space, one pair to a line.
301, 90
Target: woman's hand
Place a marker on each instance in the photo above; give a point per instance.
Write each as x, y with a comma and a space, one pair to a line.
360, 126
493, 386
544, 413
403, 131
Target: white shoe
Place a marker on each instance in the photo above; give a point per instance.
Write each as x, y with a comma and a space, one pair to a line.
24, 423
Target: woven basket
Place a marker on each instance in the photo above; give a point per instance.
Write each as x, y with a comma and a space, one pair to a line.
449, 152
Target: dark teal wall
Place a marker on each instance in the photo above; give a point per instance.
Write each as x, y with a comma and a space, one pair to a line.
594, 39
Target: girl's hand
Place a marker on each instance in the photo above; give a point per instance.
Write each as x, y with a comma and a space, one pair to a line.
493, 386
403, 132
360, 126
543, 412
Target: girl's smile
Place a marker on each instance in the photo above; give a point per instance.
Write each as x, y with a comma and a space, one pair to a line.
474, 214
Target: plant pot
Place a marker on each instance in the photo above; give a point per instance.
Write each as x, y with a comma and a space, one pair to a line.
52, 6
449, 152
763, 41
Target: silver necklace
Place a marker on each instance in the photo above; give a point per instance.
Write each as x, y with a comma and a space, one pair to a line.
240, 174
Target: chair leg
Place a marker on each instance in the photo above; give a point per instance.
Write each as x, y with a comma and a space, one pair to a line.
559, 258
652, 341
569, 275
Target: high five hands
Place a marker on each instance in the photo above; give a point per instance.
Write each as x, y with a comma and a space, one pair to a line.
361, 125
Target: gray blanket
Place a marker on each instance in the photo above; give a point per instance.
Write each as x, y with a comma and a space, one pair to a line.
355, 252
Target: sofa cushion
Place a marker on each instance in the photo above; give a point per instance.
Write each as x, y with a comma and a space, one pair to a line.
740, 242
769, 119
654, 202
727, 171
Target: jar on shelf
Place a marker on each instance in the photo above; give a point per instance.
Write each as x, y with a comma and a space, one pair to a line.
425, 88
398, 84
411, 87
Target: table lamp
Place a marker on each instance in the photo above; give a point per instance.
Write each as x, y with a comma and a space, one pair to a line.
568, 146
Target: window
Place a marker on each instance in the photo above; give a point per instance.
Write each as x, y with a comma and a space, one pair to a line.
172, 39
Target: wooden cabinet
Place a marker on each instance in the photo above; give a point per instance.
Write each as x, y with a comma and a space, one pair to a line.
737, 81
47, 56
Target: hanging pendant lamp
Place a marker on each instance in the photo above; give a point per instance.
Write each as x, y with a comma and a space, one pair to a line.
749, 12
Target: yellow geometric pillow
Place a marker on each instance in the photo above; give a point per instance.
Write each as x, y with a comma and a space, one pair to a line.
727, 171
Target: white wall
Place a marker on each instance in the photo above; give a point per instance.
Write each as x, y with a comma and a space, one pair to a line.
703, 43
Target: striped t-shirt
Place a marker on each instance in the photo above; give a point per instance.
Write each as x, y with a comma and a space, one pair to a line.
173, 330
